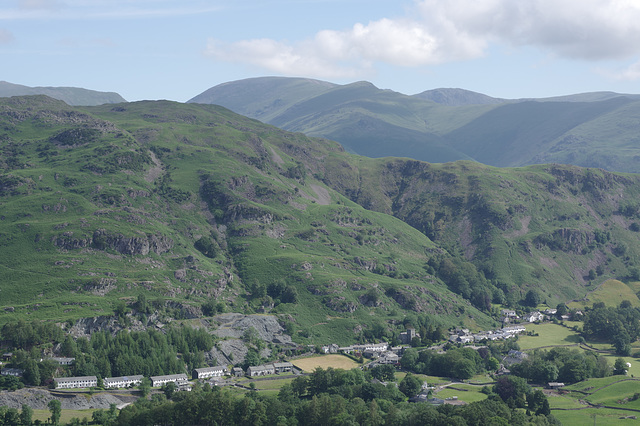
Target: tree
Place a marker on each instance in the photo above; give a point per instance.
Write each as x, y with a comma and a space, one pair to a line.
26, 415
512, 388
409, 359
56, 409
410, 385
31, 372
532, 298
620, 367
385, 373
145, 387
169, 389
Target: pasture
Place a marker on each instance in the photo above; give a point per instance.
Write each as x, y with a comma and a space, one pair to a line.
549, 335
611, 293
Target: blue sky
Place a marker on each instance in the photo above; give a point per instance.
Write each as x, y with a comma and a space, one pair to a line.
176, 49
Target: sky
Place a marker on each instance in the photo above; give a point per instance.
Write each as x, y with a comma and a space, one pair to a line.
176, 49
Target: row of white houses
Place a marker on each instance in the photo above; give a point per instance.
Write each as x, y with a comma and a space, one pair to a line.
179, 379
117, 382
267, 369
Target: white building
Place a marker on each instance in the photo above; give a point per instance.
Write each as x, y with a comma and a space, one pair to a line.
534, 316
122, 382
175, 378
261, 370
282, 367
75, 382
17, 372
207, 372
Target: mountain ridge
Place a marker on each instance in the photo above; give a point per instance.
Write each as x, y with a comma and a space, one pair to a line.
465, 125
75, 96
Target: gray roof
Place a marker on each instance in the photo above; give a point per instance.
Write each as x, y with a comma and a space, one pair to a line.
123, 378
75, 379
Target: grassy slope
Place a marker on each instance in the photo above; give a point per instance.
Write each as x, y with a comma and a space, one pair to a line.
281, 206
267, 220
531, 225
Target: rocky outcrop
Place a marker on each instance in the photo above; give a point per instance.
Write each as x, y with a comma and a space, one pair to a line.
234, 325
67, 241
104, 240
39, 398
150, 243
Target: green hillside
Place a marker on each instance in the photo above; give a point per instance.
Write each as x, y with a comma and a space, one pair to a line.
588, 129
190, 204
202, 210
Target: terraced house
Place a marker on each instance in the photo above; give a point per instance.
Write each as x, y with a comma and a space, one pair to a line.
75, 382
122, 381
207, 372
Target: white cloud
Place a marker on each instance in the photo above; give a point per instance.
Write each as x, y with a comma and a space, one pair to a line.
440, 31
629, 73
283, 58
582, 29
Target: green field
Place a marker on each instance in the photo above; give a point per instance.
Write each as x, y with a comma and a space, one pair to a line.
65, 416
468, 393
597, 416
611, 293
549, 335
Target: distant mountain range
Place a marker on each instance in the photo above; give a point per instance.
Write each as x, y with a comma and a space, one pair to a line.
71, 95
596, 129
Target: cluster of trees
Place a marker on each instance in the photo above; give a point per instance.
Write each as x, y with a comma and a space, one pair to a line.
619, 325
146, 352
465, 279
329, 397
518, 394
142, 352
13, 417
23, 334
460, 363
562, 364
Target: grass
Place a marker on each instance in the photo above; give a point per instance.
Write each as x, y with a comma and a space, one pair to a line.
65, 415
272, 384
549, 335
599, 416
469, 394
325, 361
617, 394
611, 293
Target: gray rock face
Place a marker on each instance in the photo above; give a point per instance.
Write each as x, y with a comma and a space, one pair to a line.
234, 325
158, 244
39, 398
104, 240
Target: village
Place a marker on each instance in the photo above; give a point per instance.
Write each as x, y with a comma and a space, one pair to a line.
377, 353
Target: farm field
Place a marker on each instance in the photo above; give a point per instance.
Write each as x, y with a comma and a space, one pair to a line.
466, 393
325, 361
549, 334
617, 395
598, 416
